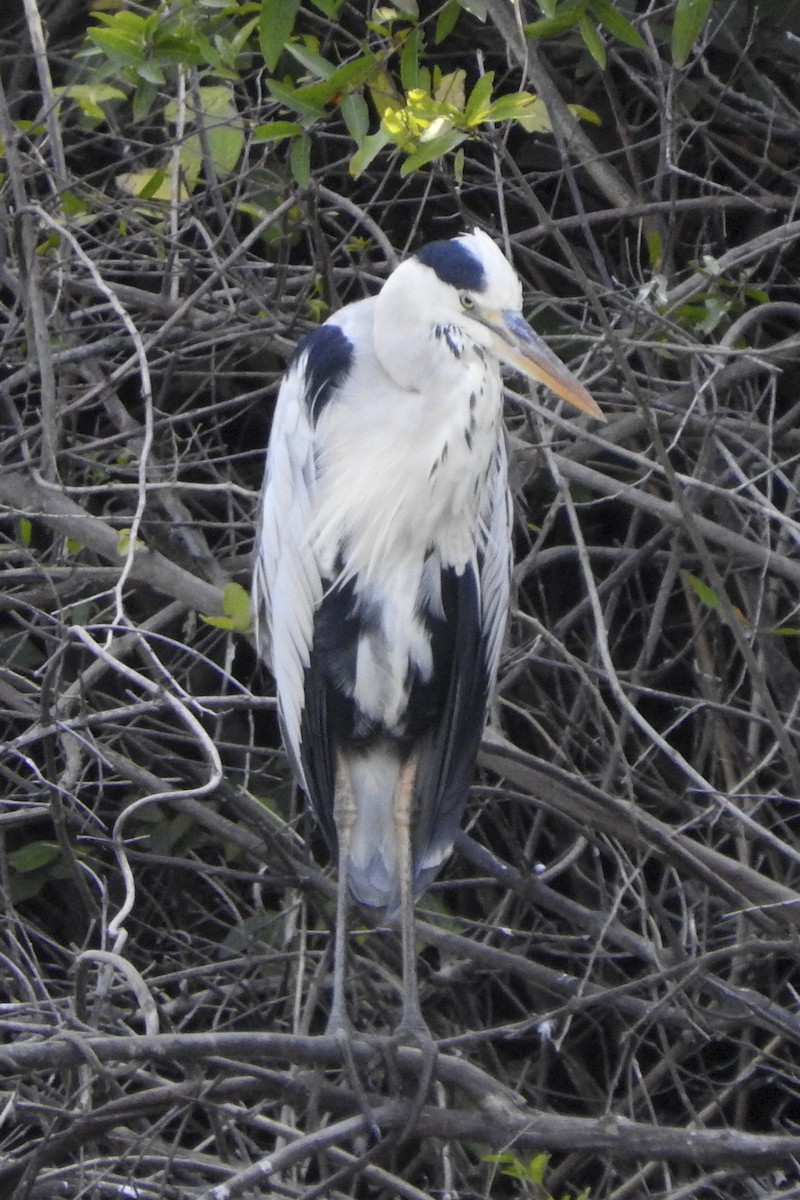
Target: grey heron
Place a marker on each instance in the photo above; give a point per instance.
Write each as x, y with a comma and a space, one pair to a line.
382, 567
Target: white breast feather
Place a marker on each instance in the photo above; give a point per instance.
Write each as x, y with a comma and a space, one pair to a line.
407, 483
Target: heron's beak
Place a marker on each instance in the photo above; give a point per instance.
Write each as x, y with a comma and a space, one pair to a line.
516, 344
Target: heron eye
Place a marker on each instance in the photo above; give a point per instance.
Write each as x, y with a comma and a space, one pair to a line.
466, 301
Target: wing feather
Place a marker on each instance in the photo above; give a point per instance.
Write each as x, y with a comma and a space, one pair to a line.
466, 653
287, 586
496, 560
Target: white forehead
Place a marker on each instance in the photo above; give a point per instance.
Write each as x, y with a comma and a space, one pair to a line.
473, 263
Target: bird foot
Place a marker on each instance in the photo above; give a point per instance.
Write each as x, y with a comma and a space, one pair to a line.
341, 1030
412, 1030
415, 1053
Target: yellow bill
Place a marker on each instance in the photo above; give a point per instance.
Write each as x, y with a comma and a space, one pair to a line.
516, 344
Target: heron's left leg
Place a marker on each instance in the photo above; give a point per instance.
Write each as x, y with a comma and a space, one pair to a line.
412, 1028
344, 818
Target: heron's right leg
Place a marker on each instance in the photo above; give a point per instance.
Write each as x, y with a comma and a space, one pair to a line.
412, 1027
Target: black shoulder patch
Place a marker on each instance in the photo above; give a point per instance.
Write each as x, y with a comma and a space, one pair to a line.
329, 360
454, 264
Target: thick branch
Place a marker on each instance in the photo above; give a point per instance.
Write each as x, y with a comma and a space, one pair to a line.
23, 495
496, 1119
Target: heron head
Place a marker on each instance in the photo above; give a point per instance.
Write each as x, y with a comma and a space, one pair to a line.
475, 287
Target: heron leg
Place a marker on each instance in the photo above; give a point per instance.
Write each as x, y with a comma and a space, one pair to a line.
339, 1026
344, 818
413, 1028
412, 1025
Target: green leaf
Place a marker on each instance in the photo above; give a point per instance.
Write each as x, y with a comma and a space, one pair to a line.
710, 598
617, 25
151, 72
147, 185
74, 206
477, 107
235, 45
143, 100
310, 101
703, 592
530, 1172
51, 242
593, 42
33, 856
565, 18
690, 315
124, 21
124, 543
120, 47
345, 79
89, 97
224, 128
446, 21
531, 112
291, 97
329, 8
351, 75
275, 28
475, 8
655, 250
585, 114
226, 143
78, 614
449, 90
236, 606
25, 530
412, 75
690, 20
356, 116
300, 160
317, 309
717, 307
513, 107
383, 18
435, 148
318, 66
188, 48
369, 149
157, 187
276, 131
383, 93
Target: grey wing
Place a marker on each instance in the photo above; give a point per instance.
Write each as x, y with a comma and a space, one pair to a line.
495, 567
466, 648
286, 586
